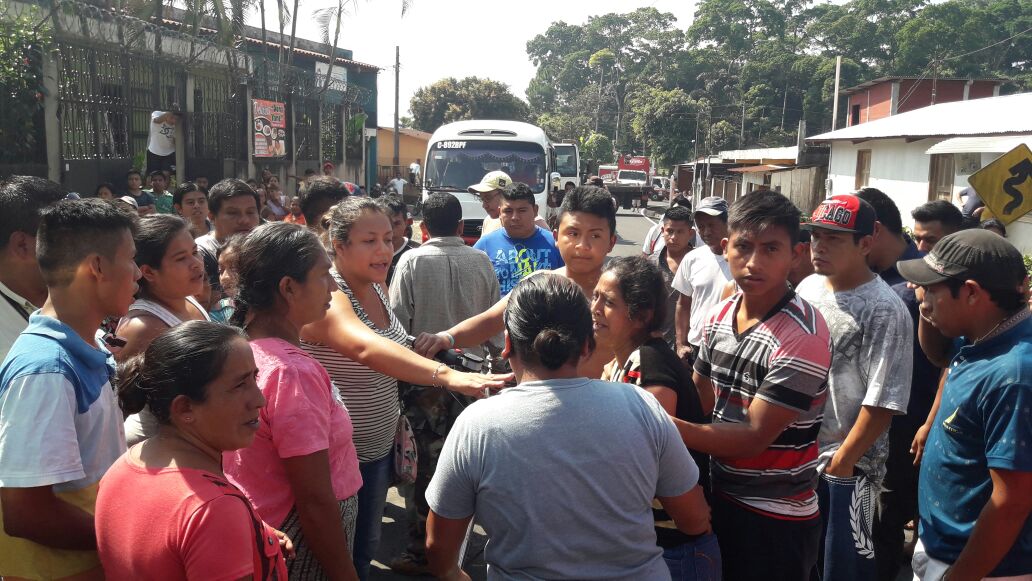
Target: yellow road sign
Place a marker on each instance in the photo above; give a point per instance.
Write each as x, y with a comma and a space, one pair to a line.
1005, 185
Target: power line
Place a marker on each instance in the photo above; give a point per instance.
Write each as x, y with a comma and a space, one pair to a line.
1029, 29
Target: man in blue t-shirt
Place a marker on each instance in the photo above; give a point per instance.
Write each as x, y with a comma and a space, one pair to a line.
520, 247
976, 472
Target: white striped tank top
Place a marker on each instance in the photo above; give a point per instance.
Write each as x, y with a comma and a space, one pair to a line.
370, 396
139, 427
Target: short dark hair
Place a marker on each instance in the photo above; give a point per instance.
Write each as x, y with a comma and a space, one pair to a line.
643, 288
941, 211
270, 253
322, 193
548, 320
110, 186
22, 199
590, 200
885, 209
181, 361
228, 189
309, 172
71, 230
132, 172
393, 204
442, 213
763, 209
1007, 300
994, 223
517, 191
679, 214
182, 190
157, 173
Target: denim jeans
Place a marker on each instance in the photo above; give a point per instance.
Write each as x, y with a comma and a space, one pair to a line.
847, 505
376, 479
695, 561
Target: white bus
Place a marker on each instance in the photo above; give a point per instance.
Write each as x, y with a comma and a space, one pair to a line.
460, 153
567, 164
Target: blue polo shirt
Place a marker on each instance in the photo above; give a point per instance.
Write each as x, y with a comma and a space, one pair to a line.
984, 422
515, 258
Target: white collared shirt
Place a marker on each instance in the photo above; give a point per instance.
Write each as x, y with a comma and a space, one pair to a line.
12, 320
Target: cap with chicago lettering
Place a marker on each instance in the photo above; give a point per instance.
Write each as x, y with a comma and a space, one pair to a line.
979, 255
843, 213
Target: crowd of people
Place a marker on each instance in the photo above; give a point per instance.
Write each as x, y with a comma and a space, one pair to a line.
223, 383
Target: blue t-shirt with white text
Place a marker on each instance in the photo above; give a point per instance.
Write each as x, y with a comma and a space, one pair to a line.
515, 258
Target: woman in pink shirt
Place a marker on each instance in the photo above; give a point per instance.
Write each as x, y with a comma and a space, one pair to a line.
302, 470
164, 509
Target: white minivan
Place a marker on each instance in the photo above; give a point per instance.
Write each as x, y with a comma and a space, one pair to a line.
460, 153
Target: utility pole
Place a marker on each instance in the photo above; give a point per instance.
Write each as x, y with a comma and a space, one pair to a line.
834, 106
741, 134
935, 78
397, 93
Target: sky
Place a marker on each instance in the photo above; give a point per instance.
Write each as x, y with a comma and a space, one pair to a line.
456, 38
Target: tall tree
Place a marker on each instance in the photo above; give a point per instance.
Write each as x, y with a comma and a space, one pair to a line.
450, 100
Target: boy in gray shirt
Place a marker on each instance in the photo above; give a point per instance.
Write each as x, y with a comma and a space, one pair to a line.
869, 382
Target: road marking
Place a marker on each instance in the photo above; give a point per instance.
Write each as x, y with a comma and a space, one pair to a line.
651, 221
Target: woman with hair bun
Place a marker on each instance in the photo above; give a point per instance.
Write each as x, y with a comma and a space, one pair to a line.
302, 471
165, 509
627, 310
561, 470
172, 274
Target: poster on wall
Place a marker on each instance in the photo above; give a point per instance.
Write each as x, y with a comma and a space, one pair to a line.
270, 133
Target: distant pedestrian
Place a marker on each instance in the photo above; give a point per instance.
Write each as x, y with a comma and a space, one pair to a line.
678, 234
397, 184
234, 208
401, 223
933, 221
161, 142
316, 200
191, 202
415, 174
295, 216
159, 191
134, 189
995, 226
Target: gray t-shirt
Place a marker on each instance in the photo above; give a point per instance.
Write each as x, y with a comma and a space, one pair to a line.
872, 358
561, 474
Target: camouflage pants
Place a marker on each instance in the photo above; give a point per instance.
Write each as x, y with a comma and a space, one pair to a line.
432, 412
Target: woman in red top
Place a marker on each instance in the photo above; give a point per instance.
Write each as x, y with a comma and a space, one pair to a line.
165, 509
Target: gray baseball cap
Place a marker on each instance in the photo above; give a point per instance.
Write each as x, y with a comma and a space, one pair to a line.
713, 206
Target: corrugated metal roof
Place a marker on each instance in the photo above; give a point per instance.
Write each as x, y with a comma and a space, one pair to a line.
880, 80
790, 152
979, 144
757, 168
1007, 115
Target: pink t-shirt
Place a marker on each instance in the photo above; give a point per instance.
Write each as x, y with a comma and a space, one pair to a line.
303, 414
179, 523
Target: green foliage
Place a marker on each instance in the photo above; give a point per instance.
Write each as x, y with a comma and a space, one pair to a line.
353, 136
775, 56
450, 100
22, 47
665, 121
599, 148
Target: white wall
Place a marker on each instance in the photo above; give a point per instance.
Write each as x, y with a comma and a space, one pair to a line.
900, 169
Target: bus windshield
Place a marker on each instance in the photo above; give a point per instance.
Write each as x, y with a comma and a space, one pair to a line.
566, 160
460, 164
631, 175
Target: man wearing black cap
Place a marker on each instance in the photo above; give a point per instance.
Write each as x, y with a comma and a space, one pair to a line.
869, 381
976, 474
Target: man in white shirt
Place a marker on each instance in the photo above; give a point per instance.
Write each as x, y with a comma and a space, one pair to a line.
161, 142
701, 277
415, 172
22, 198
397, 184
